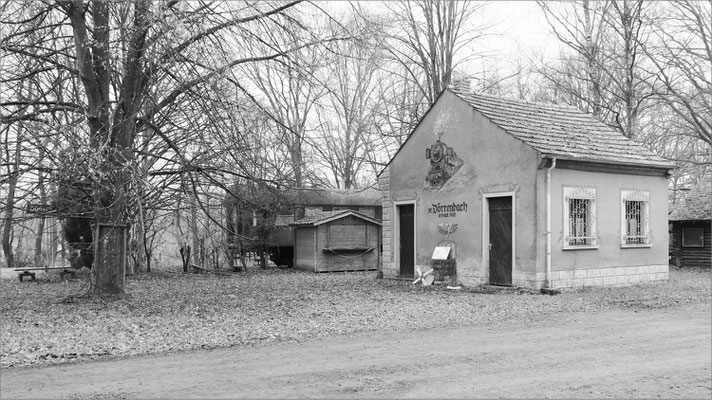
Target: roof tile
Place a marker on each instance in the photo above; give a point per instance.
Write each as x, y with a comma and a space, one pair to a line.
559, 131
327, 215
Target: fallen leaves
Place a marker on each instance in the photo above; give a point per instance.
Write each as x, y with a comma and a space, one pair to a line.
167, 312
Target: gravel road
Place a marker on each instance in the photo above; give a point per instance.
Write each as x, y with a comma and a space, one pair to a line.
635, 353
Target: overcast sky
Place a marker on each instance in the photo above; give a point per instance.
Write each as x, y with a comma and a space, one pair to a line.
522, 24
519, 29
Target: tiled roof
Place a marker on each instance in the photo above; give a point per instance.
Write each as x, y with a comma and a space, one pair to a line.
562, 132
283, 220
326, 216
312, 219
697, 205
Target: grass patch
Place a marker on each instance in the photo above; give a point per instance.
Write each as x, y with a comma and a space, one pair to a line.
166, 312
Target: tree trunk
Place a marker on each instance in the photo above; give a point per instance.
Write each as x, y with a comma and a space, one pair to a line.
108, 188
295, 153
185, 257
591, 62
110, 216
110, 259
143, 252
7, 236
629, 17
195, 239
39, 258
263, 256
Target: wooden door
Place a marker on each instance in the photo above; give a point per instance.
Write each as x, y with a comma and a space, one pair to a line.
500, 240
406, 234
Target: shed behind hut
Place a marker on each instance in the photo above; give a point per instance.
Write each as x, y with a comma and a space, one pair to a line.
343, 240
691, 228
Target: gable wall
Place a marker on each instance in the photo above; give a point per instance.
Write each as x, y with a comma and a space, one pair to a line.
494, 162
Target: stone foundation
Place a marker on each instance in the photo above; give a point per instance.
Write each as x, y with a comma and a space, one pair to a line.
607, 276
611, 276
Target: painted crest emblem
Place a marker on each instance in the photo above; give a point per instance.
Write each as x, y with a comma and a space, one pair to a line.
447, 229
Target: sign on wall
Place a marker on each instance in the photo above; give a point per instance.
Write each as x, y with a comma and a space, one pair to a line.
35, 208
441, 253
447, 210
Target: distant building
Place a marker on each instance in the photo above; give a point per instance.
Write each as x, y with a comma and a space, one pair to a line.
524, 194
690, 231
343, 240
312, 203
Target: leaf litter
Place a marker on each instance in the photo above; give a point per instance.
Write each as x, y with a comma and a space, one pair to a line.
169, 312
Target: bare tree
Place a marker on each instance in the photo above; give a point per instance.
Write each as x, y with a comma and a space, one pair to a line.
354, 81
13, 172
582, 30
135, 63
288, 93
403, 105
603, 72
682, 63
680, 54
631, 83
434, 34
670, 136
649, 65
429, 41
26, 95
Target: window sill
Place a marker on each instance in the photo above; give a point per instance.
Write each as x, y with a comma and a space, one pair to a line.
582, 247
336, 250
636, 246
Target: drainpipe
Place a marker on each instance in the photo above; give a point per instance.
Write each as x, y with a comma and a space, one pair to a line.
548, 222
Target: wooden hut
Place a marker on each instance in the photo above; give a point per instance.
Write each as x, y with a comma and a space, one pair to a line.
343, 240
690, 228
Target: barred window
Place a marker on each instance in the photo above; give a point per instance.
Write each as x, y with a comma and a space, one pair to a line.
634, 222
635, 218
580, 221
579, 217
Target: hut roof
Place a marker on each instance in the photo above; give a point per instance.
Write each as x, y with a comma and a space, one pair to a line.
329, 216
697, 205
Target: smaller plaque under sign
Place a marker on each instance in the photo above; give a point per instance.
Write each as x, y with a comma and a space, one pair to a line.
441, 253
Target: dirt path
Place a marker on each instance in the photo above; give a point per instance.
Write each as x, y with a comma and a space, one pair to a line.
631, 354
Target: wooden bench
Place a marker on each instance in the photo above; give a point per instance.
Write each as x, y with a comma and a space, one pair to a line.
23, 272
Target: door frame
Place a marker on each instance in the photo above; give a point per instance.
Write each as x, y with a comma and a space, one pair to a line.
486, 228
397, 232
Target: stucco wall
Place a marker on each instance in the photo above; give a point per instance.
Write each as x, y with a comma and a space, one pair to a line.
610, 254
494, 162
